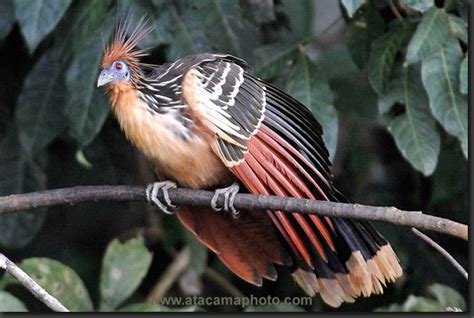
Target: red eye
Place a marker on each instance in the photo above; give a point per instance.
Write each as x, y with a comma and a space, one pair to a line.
118, 66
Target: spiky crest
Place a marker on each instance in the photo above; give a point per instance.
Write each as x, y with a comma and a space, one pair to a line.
124, 48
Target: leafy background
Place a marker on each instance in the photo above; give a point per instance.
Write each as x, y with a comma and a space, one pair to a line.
387, 80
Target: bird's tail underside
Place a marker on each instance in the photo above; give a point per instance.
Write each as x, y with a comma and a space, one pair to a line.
340, 259
250, 246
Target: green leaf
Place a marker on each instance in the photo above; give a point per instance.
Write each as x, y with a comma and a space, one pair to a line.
144, 307
352, 6
38, 18
188, 36
273, 58
39, 106
208, 25
259, 12
7, 18
86, 108
356, 40
354, 97
123, 268
228, 30
447, 296
458, 27
421, 304
220, 17
415, 130
361, 34
308, 84
300, 17
48, 98
337, 64
9, 303
19, 174
152, 11
430, 35
440, 73
60, 281
383, 52
463, 80
419, 5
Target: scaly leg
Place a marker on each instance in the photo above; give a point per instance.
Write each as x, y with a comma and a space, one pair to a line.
152, 195
229, 197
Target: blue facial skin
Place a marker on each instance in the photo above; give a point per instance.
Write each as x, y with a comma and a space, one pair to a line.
117, 71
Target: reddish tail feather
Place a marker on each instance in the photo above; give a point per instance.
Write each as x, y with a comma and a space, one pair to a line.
337, 258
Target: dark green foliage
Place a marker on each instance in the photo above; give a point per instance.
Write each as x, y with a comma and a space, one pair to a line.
414, 131
19, 173
307, 83
7, 18
38, 18
383, 53
389, 87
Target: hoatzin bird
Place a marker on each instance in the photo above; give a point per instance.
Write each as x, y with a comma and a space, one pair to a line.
206, 122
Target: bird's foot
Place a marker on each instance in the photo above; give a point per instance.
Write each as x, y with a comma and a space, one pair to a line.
229, 196
152, 191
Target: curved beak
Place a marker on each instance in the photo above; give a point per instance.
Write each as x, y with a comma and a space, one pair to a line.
106, 76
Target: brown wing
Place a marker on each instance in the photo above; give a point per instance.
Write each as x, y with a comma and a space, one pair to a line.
227, 104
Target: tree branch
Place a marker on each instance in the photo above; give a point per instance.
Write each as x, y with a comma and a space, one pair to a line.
171, 274
201, 198
442, 251
395, 11
39, 292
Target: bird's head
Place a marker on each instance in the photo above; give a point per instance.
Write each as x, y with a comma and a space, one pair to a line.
117, 71
121, 59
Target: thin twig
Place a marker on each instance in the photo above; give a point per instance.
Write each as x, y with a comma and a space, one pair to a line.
442, 251
39, 292
171, 274
395, 11
222, 282
243, 201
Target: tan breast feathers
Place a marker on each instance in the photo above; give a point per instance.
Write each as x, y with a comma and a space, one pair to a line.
191, 161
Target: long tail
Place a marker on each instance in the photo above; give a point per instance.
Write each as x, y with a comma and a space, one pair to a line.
338, 258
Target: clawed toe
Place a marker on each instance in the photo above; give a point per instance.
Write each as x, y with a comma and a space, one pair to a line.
229, 194
152, 191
